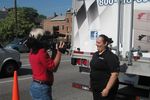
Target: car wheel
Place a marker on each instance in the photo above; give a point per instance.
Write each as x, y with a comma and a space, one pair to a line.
9, 68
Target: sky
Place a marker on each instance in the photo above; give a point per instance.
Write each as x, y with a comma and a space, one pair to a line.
45, 7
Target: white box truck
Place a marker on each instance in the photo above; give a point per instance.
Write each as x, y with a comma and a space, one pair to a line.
127, 22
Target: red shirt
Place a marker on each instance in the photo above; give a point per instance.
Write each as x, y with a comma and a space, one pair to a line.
42, 66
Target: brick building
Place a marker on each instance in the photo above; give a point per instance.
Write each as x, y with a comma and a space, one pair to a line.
63, 23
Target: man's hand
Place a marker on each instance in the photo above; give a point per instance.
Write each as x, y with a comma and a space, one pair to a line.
105, 92
60, 47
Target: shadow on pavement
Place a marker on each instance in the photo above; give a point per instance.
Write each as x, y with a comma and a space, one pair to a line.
24, 71
20, 72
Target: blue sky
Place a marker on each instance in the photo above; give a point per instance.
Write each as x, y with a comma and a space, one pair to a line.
45, 7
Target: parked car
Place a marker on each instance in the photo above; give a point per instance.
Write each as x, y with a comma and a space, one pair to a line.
9, 60
18, 44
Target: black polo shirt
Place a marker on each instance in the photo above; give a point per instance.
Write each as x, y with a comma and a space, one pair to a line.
102, 65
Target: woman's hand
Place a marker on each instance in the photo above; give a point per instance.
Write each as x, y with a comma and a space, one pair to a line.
105, 92
111, 82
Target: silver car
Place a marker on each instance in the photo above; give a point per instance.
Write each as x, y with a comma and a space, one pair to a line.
9, 61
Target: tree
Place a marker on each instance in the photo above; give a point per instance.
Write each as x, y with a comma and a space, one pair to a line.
42, 17
27, 19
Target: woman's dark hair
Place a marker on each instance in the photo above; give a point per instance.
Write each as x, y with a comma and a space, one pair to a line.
106, 39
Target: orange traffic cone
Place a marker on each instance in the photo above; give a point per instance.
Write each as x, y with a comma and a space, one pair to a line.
15, 91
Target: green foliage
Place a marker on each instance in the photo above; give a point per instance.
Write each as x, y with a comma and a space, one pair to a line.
27, 19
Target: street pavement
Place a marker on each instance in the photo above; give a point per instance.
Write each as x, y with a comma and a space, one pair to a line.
62, 88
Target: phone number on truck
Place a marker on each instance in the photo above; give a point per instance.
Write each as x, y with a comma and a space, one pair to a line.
111, 2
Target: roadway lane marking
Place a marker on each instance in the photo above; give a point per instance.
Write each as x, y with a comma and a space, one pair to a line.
25, 65
26, 78
19, 79
61, 61
65, 60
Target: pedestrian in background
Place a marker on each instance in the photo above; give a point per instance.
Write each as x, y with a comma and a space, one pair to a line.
42, 65
104, 71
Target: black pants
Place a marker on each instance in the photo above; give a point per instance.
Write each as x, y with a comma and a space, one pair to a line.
97, 96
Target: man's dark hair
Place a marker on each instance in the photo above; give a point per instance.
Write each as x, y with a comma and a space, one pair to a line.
34, 45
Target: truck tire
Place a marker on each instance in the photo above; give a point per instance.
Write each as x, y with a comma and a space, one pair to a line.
73, 61
9, 68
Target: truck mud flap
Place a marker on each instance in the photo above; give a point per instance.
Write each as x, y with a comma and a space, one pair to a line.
81, 86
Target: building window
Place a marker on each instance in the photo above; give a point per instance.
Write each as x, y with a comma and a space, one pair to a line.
67, 20
51, 28
62, 27
67, 29
55, 29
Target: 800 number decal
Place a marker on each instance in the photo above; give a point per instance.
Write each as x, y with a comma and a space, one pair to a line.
111, 2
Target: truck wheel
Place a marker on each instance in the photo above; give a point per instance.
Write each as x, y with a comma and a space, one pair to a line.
73, 61
9, 68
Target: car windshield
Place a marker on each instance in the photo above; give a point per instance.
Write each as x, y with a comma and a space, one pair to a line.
15, 41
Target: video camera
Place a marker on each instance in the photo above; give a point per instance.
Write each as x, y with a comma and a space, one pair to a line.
50, 40
46, 40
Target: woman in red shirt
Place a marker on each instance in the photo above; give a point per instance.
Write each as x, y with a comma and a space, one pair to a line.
42, 65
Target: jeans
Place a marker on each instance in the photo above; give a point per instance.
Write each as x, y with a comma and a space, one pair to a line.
40, 91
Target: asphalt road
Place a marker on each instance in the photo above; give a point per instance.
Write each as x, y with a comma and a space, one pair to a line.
62, 88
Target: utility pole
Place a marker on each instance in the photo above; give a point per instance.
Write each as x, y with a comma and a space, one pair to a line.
16, 22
